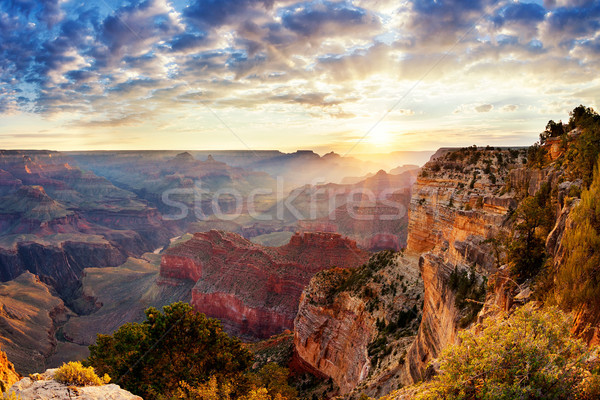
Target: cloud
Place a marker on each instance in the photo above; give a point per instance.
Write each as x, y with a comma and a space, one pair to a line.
134, 29
525, 13
440, 23
326, 18
566, 24
510, 108
212, 13
324, 59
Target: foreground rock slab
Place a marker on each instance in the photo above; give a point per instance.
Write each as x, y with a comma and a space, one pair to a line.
47, 388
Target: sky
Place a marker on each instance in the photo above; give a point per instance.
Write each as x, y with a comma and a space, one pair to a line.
362, 76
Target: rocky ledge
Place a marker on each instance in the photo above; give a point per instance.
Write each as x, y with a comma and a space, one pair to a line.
43, 386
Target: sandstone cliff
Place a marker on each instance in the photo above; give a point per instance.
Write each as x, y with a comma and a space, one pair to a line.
254, 290
355, 326
459, 203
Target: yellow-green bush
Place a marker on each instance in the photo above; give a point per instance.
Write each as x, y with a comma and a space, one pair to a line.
74, 373
529, 355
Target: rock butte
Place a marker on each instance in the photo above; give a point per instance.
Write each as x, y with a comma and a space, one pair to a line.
254, 290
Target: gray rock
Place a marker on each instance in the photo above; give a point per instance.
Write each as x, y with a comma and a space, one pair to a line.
47, 388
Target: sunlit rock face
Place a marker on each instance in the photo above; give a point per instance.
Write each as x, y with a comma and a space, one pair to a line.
459, 201
253, 289
338, 322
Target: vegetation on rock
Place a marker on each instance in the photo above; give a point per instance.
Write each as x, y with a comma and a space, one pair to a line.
534, 218
74, 373
470, 293
529, 355
578, 278
181, 354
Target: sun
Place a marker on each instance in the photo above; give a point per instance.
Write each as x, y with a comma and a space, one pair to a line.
380, 137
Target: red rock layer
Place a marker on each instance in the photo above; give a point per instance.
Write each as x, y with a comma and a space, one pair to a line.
253, 289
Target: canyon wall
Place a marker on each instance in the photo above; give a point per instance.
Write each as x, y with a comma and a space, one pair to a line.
458, 204
254, 290
353, 326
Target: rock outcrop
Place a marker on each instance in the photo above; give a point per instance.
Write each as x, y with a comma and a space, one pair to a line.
8, 374
459, 202
45, 387
29, 316
353, 326
253, 289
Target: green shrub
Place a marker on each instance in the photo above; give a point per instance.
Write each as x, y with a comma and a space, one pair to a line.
152, 358
529, 355
74, 373
534, 220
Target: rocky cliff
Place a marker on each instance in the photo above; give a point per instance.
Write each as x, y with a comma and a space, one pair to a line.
354, 326
459, 202
253, 289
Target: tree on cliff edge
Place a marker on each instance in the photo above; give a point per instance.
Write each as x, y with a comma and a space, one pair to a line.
153, 358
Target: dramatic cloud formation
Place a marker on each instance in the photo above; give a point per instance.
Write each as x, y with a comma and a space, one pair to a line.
177, 74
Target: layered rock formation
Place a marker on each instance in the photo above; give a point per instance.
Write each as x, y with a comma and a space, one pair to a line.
189, 184
254, 290
56, 220
45, 387
29, 316
372, 211
354, 326
459, 202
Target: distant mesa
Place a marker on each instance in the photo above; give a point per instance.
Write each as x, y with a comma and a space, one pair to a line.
332, 155
210, 158
401, 169
184, 157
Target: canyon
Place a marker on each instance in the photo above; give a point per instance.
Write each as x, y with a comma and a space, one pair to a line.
56, 220
77, 232
462, 205
457, 204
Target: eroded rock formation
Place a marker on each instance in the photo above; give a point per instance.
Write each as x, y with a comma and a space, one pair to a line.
253, 289
354, 326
